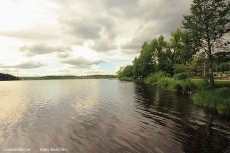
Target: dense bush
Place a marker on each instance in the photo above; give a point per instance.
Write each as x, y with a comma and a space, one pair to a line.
200, 85
127, 79
217, 98
153, 78
181, 76
188, 86
176, 86
165, 82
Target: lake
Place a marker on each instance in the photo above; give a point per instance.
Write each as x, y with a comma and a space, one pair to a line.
101, 115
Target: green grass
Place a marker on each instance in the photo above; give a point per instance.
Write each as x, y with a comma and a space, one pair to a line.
215, 98
195, 77
218, 98
220, 84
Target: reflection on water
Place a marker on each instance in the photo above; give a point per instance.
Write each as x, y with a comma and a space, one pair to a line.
106, 116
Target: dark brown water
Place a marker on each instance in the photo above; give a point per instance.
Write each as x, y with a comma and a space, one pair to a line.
96, 116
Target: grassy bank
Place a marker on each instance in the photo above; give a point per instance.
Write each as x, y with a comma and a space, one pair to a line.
131, 79
220, 84
186, 84
218, 98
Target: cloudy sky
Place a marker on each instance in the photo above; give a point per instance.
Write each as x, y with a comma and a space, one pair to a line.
81, 37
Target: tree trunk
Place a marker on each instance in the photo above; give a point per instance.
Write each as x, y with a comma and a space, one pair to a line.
211, 83
201, 74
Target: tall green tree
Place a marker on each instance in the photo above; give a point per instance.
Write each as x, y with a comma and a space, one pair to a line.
148, 61
177, 51
137, 67
159, 46
208, 22
220, 57
120, 72
225, 66
145, 63
127, 72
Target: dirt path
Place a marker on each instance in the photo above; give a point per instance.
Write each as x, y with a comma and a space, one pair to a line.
214, 80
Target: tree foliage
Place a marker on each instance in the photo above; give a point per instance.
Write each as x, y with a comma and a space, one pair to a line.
225, 66
207, 24
220, 57
6, 77
160, 55
204, 35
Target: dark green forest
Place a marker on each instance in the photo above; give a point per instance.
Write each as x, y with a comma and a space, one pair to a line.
6, 77
69, 77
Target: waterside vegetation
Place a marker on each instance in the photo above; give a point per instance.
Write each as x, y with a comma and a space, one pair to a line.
197, 49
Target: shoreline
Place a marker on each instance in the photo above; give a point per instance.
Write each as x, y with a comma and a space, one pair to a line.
203, 96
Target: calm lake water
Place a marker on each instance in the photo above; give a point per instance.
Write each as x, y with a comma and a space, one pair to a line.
96, 116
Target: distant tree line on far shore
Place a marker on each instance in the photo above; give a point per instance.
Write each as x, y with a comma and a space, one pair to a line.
6, 77
69, 77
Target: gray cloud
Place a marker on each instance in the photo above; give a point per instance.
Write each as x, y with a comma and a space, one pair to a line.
63, 55
134, 46
123, 8
29, 35
103, 45
81, 28
82, 62
106, 21
26, 65
157, 18
39, 49
108, 25
100, 29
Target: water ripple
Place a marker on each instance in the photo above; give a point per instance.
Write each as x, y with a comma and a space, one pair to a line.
106, 116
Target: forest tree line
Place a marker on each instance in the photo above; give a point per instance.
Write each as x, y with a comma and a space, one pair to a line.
6, 77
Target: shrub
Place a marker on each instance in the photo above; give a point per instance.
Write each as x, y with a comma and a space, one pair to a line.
153, 78
188, 86
127, 79
165, 82
177, 86
181, 76
200, 85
